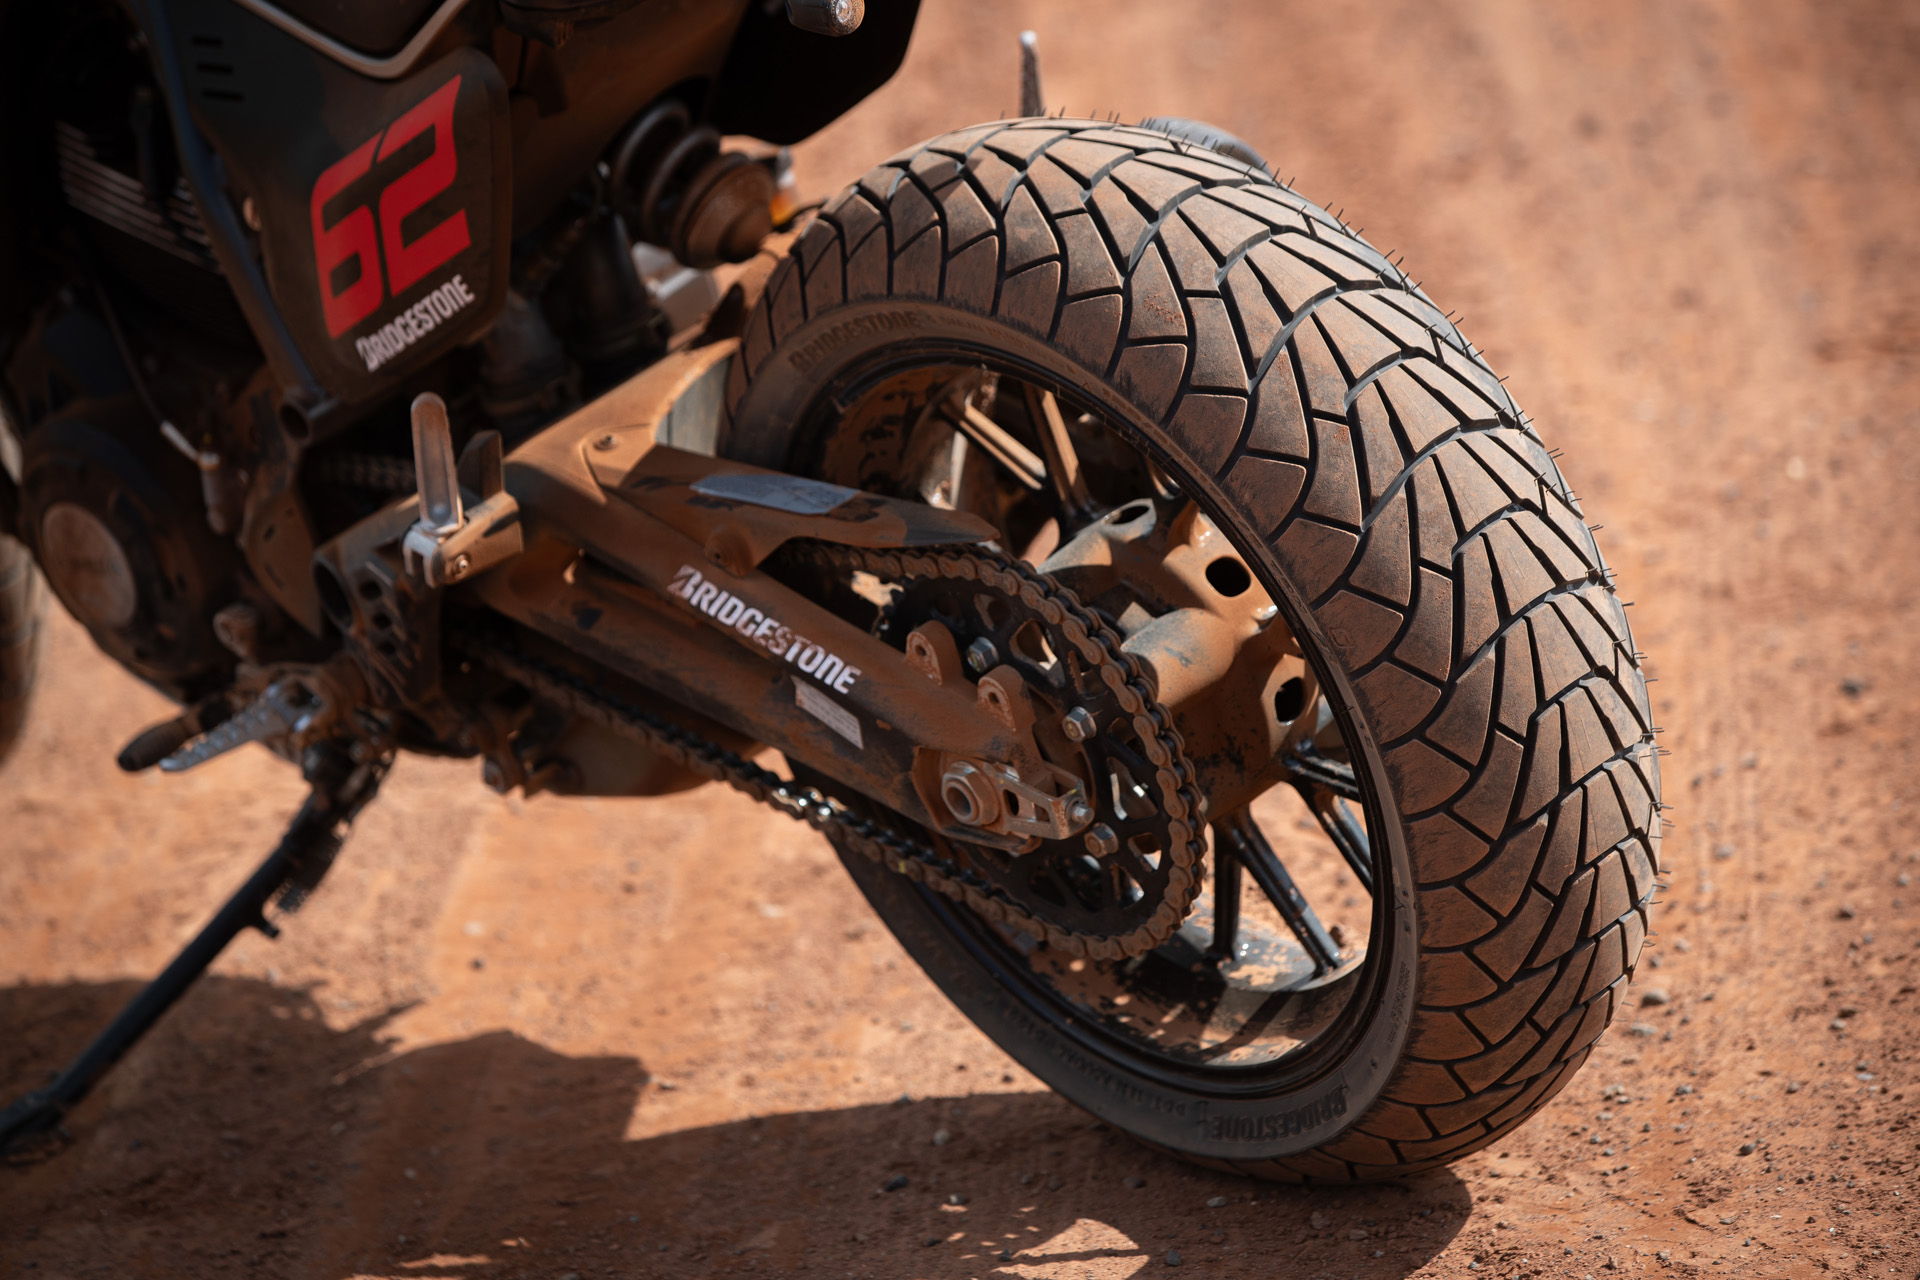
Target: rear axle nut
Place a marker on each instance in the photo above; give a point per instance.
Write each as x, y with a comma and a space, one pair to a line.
1078, 724
1101, 841
970, 795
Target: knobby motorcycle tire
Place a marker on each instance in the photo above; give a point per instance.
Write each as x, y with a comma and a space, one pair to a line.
22, 610
1418, 535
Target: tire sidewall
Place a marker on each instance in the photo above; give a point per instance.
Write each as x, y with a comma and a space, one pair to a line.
767, 411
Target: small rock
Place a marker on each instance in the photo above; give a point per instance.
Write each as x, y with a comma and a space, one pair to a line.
478, 962
1318, 1221
897, 1182
941, 1137
1005, 1255
1748, 1148
1682, 945
1727, 1222
958, 1197
1847, 1011
1655, 996
931, 1241
1054, 1183
1356, 1234
1665, 1255
1218, 1202
1902, 880
1173, 1257
1682, 1089
1838, 1024
1853, 687
1133, 1182
1723, 851
1644, 1029
1794, 1086
571, 1275
1844, 911
1026, 1179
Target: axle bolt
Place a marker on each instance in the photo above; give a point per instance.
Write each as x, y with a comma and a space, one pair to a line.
1101, 842
606, 444
970, 795
1079, 724
982, 656
1079, 813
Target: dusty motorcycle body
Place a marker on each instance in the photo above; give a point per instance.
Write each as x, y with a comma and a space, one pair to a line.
1062, 501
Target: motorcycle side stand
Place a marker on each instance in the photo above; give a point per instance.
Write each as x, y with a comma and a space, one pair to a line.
341, 787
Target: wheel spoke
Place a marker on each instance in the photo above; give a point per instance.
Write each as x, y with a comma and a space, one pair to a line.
1020, 461
1323, 774
1348, 833
1226, 904
1073, 507
1239, 833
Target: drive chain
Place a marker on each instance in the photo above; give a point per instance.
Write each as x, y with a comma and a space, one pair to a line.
1175, 780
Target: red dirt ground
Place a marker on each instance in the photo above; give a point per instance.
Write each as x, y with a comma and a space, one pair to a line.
667, 1038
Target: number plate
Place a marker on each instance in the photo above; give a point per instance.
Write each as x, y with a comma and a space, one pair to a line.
384, 208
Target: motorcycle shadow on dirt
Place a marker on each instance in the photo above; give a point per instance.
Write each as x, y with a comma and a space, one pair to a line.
248, 1136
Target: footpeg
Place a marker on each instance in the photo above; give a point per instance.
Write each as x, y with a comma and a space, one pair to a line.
449, 543
152, 745
295, 709
280, 710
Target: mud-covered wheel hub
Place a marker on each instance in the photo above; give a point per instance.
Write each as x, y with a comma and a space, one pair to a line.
1125, 865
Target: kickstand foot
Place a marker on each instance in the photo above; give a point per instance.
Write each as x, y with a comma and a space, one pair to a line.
341, 788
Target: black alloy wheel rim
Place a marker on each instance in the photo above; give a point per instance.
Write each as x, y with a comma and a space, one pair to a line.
1333, 1011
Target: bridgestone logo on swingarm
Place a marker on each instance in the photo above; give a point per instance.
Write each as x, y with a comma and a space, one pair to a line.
774, 636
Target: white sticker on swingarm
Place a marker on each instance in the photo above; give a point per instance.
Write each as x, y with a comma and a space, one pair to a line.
828, 712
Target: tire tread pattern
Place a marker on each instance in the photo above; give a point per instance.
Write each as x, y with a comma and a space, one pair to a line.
1409, 501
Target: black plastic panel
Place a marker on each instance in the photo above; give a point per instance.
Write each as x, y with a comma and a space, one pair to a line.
784, 84
378, 27
383, 206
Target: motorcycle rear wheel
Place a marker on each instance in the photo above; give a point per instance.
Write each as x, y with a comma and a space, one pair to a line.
1260, 359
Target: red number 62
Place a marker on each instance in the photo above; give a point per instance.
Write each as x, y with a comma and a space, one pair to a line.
352, 237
